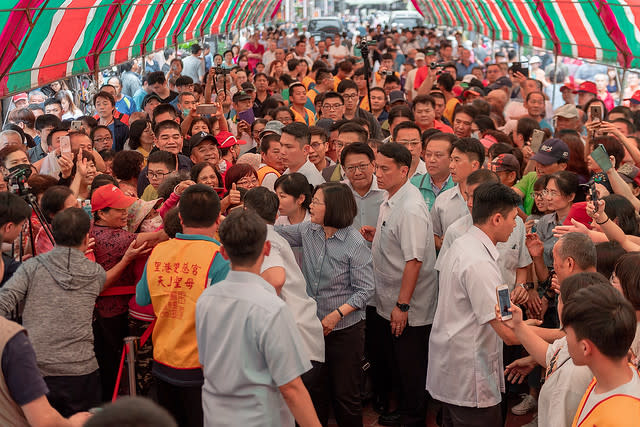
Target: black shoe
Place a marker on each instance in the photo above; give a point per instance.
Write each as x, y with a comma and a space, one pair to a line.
380, 405
392, 419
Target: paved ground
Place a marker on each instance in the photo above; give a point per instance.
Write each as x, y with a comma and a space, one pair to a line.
371, 417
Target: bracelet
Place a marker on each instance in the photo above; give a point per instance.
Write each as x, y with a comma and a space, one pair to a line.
340, 313
603, 222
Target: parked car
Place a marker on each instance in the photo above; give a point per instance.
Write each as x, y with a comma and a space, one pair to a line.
405, 19
324, 27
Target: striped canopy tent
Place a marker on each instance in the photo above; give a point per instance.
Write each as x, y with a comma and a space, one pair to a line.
46, 40
606, 31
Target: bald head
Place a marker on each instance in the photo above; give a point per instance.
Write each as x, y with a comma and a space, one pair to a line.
497, 99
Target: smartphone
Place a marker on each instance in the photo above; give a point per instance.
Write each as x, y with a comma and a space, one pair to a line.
206, 109
504, 301
595, 113
601, 157
519, 67
536, 140
593, 193
76, 125
65, 144
247, 116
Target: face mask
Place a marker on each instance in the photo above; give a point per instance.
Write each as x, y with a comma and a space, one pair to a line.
185, 112
475, 135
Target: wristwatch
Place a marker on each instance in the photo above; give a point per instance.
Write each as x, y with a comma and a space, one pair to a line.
403, 307
526, 286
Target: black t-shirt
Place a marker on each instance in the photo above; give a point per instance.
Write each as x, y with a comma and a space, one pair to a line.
172, 95
21, 372
10, 267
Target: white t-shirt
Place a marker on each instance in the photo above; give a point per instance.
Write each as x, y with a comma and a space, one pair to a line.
563, 388
294, 294
338, 50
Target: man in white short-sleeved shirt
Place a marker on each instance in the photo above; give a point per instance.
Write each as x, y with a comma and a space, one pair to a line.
295, 146
470, 379
406, 284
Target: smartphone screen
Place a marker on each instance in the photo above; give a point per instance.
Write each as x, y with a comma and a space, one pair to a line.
536, 140
65, 144
595, 112
206, 109
247, 116
601, 157
504, 301
76, 124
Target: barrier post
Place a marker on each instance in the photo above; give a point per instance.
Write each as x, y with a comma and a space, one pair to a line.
130, 344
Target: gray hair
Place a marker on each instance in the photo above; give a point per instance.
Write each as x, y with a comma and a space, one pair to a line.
580, 248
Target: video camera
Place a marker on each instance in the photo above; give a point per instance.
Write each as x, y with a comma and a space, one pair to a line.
435, 65
17, 179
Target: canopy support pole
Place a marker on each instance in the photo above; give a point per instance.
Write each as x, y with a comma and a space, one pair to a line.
555, 78
623, 83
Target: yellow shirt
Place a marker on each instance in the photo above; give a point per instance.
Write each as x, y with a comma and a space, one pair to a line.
308, 118
450, 108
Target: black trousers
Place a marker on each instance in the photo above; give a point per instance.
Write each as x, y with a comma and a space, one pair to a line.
71, 394
109, 334
462, 416
405, 357
381, 379
183, 403
341, 377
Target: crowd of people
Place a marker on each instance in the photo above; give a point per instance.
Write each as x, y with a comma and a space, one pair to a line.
292, 242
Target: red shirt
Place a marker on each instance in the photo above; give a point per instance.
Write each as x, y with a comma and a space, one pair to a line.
437, 124
259, 49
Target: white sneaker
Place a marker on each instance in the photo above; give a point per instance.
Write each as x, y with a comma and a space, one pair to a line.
533, 422
528, 404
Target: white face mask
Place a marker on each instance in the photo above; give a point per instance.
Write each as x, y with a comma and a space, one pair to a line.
475, 134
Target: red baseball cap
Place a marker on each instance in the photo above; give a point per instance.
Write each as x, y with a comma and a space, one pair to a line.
226, 139
20, 97
589, 87
568, 86
110, 196
635, 98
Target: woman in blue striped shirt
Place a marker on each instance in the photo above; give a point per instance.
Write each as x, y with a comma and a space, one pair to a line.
338, 268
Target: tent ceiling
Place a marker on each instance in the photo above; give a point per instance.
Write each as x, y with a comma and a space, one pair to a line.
46, 40
607, 31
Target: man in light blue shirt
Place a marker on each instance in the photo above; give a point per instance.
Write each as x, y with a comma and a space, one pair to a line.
247, 339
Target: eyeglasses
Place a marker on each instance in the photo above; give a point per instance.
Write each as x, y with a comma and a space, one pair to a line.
361, 167
316, 145
332, 106
538, 194
105, 139
412, 142
156, 175
352, 96
550, 193
247, 181
315, 201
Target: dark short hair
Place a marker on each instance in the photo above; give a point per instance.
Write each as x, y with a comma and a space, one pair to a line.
264, 202
575, 282
471, 147
351, 127
13, 209
347, 84
613, 146
156, 77
104, 95
265, 142
578, 247
243, 234
295, 184
328, 95
600, 314
318, 131
357, 148
132, 411
340, 205
300, 131
465, 109
171, 222
199, 206
166, 158
70, 227
397, 152
628, 273
127, 164
441, 136
161, 109
482, 176
402, 110
53, 199
423, 99
608, 255
50, 101
490, 199
567, 182
48, 120
406, 125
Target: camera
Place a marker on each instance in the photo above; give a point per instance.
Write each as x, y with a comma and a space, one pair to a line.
221, 70
435, 65
17, 179
386, 73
